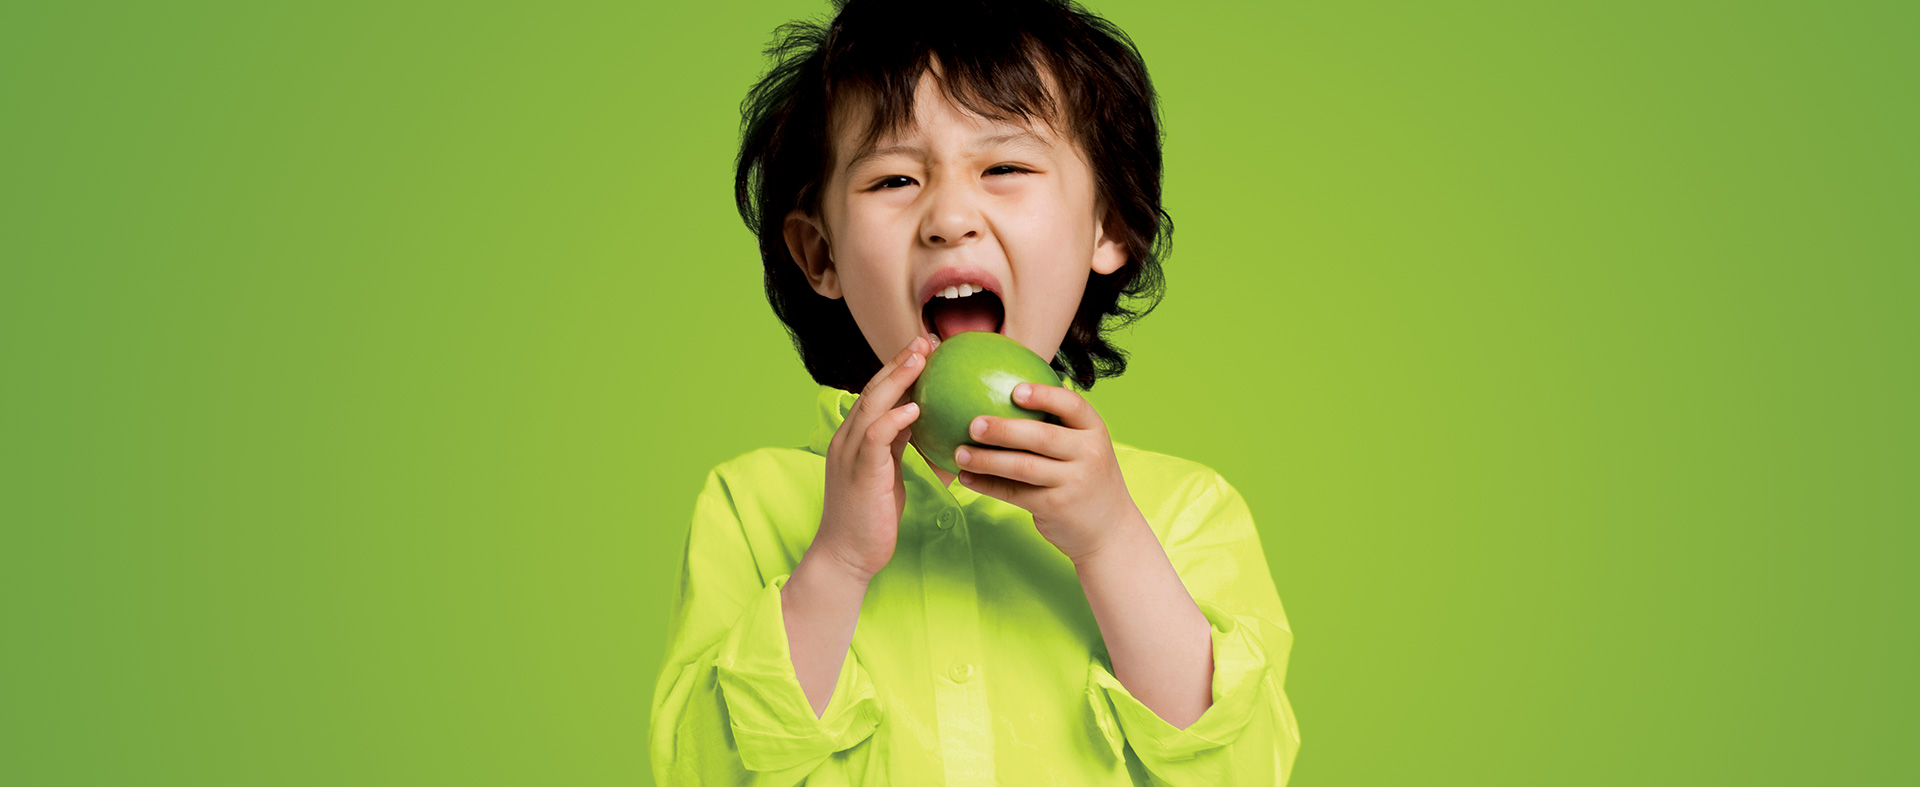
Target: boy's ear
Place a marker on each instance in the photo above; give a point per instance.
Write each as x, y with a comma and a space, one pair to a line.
807, 243
1109, 253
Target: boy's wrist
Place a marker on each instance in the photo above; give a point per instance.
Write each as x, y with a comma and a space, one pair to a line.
1126, 543
819, 560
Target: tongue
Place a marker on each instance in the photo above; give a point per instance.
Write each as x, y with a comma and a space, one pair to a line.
962, 317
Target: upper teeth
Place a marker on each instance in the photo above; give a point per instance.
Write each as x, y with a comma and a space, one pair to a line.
960, 291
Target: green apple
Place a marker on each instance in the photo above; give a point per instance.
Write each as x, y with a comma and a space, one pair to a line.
972, 374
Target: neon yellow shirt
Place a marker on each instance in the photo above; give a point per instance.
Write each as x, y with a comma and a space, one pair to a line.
976, 659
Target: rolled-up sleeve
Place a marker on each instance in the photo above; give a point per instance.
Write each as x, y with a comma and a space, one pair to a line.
1249, 735
728, 708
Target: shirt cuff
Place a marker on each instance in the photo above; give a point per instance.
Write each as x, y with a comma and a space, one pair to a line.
1239, 668
773, 723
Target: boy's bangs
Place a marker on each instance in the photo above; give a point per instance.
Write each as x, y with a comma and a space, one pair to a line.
1000, 76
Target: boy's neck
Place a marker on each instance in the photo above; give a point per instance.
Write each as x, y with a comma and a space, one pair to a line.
945, 479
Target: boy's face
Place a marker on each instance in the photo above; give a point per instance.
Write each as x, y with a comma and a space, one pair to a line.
1015, 214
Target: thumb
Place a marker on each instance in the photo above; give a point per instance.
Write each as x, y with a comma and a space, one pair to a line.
900, 444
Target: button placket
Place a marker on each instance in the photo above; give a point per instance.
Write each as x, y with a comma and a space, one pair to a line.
953, 639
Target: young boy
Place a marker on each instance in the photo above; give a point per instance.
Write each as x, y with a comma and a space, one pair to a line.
1075, 610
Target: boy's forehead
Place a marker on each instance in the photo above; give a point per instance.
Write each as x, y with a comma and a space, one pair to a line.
855, 127
852, 136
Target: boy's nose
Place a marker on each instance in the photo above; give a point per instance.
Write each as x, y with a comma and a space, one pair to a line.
952, 219
937, 239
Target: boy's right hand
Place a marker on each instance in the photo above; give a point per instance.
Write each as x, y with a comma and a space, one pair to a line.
865, 495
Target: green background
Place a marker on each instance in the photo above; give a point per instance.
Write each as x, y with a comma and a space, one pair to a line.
362, 362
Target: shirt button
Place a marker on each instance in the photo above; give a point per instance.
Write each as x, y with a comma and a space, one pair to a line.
960, 673
947, 519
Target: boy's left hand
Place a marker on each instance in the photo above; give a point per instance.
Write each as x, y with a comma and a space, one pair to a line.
1066, 475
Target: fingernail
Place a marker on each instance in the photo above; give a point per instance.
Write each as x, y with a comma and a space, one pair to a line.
962, 455
979, 426
1020, 392
913, 360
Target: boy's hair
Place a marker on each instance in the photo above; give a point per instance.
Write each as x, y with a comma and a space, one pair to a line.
990, 54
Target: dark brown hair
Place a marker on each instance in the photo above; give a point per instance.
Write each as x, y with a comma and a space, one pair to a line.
991, 54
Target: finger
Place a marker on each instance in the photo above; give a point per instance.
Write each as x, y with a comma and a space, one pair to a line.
899, 359
1014, 492
905, 436
1039, 437
885, 390
1074, 410
876, 443
1019, 466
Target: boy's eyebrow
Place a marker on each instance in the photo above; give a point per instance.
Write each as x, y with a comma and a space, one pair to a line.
1020, 138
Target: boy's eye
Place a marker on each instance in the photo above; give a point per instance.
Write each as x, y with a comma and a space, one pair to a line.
883, 184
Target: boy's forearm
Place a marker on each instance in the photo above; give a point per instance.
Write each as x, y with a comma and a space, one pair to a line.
1160, 643
820, 605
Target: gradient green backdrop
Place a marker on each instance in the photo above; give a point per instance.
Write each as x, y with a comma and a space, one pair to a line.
362, 361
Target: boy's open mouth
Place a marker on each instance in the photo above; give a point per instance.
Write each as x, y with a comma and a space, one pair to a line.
981, 311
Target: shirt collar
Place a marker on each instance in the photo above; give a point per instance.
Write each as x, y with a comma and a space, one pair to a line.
831, 406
